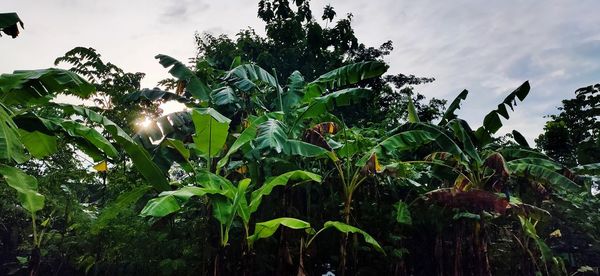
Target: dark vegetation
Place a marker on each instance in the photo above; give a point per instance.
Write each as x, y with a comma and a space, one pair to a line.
297, 155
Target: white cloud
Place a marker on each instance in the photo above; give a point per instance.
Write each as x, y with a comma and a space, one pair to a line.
489, 48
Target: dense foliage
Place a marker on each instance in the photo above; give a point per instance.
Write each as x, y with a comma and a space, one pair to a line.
296, 155
572, 136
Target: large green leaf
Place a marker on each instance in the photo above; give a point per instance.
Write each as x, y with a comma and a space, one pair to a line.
271, 135
402, 213
413, 116
161, 206
91, 135
26, 186
225, 210
213, 181
34, 135
267, 228
179, 146
346, 75
153, 95
442, 140
345, 228
194, 85
11, 147
512, 153
547, 163
463, 133
593, 169
245, 137
8, 24
244, 76
543, 174
295, 91
89, 149
212, 129
455, 105
171, 201
224, 95
239, 203
30, 86
140, 157
492, 122
281, 180
520, 139
408, 140
39, 144
320, 105
295, 147
222, 209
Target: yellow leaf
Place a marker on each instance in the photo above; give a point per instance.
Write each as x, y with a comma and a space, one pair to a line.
378, 167
462, 183
331, 128
101, 167
372, 165
242, 170
556, 234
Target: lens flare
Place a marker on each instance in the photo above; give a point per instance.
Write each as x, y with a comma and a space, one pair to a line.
144, 123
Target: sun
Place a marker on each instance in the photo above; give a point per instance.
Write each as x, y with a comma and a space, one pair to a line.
169, 107
172, 107
144, 122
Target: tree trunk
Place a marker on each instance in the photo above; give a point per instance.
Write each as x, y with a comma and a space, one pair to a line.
458, 260
34, 262
248, 261
301, 271
285, 264
438, 252
218, 263
480, 247
342, 267
344, 241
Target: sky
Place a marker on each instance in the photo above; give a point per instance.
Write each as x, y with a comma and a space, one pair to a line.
487, 47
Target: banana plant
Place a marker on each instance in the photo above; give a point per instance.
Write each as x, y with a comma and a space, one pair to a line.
299, 103
266, 229
25, 134
229, 202
247, 89
32, 201
355, 171
473, 170
546, 263
477, 163
21, 94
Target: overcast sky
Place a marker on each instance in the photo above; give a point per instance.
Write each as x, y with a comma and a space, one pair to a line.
487, 47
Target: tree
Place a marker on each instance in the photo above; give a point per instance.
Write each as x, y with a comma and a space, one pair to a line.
112, 85
296, 41
573, 136
556, 142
